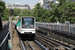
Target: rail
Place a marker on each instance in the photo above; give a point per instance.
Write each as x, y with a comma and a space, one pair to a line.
68, 47
43, 47
4, 34
34, 45
22, 45
61, 36
30, 46
1, 43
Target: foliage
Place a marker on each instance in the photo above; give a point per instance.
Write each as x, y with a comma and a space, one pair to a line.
2, 6
13, 18
5, 15
64, 11
26, 12
39, 13
17, 11
3, 11
23, 12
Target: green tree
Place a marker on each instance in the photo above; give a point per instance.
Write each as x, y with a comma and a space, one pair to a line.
26, 12
2, 6
64, 11
17, 12
39, 13
4, 12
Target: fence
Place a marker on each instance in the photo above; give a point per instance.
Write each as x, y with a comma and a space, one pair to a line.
57, 27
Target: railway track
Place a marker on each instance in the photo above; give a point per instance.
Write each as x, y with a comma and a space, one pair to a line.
31, 45
28, 46
43, 43
51, 44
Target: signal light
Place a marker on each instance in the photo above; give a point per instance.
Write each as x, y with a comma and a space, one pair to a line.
11, 11
50, 27
50, 31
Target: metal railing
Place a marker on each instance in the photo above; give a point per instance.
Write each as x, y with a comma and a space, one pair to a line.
58, 27
4, 35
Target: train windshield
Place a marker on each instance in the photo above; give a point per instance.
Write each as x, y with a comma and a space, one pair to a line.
27, 22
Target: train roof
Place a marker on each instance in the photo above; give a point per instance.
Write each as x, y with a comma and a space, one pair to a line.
28, 16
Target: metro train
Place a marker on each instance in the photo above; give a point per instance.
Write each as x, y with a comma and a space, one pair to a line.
26, 28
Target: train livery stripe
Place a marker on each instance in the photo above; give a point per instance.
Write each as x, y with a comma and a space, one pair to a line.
19, 23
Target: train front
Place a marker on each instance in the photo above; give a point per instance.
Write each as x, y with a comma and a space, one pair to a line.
28, 28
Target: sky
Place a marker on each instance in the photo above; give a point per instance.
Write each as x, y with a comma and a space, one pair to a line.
21, 1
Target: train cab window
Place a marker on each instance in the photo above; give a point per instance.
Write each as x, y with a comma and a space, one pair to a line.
27, 21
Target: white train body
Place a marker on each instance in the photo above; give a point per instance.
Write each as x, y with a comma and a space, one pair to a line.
26, 26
